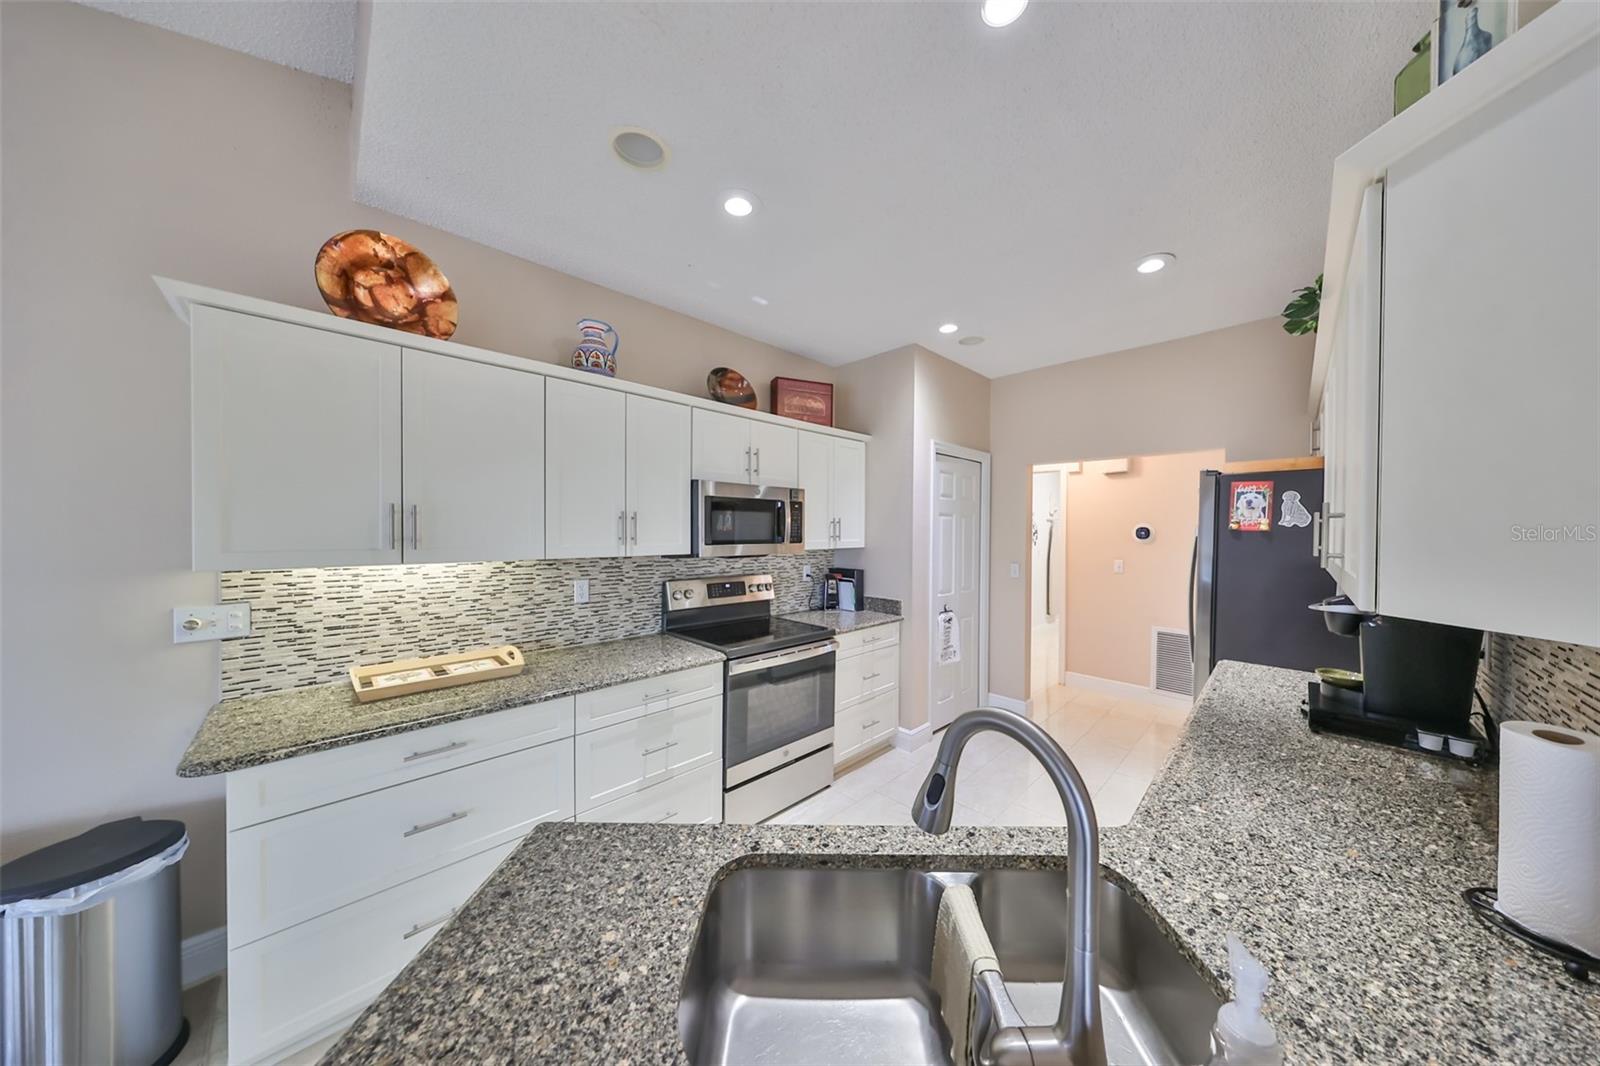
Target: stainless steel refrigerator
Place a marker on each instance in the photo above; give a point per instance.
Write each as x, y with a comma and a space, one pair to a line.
1249, 587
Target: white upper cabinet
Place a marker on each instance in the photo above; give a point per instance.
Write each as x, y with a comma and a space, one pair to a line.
745, 451
816, 481
722, 449
774, 454
1490, 447
296, 445
833, 473
850, 493
474, 461
658, 477
586, 433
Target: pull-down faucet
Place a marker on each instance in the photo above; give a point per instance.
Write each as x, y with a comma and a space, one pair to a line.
1075, 1039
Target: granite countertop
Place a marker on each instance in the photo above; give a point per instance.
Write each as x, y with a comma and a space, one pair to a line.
253, 730
1340, 863
844, 621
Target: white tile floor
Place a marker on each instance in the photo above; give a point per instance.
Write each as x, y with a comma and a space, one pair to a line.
1117, 744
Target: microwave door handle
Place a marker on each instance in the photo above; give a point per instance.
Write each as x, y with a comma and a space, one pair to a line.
783, 523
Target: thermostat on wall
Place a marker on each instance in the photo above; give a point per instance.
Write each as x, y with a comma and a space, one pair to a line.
1143, 533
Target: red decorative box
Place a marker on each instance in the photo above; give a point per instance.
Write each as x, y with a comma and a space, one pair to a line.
809, 401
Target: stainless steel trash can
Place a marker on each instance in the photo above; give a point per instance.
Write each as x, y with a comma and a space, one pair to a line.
89, 949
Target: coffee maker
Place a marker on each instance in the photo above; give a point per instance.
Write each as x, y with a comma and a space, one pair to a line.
1416, 684
844, 590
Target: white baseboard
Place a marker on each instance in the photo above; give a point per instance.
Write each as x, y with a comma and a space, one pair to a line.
1124, 689
912, 739
204, 956
1009, 703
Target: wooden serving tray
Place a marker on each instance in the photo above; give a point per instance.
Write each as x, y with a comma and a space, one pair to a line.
381, 681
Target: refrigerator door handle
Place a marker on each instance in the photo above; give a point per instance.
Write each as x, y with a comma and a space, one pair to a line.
1316, 535
1194, 566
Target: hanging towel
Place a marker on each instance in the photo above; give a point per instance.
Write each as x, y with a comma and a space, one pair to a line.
961, 952
949, 638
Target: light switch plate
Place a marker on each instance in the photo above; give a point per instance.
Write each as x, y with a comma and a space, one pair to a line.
580, 590
1016, 569
1116, 566
212, 621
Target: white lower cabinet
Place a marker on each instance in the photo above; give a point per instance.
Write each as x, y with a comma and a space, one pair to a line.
694, 798
866, 691
343, 863
288, 990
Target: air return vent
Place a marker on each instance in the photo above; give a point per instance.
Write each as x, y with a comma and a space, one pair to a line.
1171, 667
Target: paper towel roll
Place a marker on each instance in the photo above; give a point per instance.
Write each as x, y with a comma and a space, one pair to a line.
1550, 832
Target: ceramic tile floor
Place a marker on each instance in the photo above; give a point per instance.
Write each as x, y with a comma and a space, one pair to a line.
1117, 744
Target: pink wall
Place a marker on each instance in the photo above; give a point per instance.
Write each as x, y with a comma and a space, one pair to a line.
1109, 615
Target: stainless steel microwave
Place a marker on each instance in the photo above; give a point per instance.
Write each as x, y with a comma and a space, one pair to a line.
732, 519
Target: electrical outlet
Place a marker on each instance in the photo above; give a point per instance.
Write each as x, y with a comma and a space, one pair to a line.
580, 590
1116, 566
805, 572
213, 621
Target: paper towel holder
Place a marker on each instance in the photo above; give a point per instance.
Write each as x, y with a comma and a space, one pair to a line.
1579, 964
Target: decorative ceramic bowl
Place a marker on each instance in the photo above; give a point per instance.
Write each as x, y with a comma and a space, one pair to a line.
732, 387
373, 277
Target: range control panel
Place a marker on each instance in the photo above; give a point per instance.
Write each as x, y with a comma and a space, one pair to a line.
710, 591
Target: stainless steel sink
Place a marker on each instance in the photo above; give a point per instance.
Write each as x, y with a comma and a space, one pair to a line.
825, 966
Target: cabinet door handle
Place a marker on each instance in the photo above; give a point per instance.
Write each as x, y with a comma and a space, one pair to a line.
1316, 535
667, 817
757, 470
454, 745
663, 694
868, 725
422, 927
664, 747
425, 826
633, 519
749, 468
870, 677
622, 527
394, 521
416, 532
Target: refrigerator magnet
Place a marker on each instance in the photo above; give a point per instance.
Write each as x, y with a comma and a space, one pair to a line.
1251, 511
1294, 512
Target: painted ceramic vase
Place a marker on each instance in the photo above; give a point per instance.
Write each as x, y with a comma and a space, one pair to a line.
592, 353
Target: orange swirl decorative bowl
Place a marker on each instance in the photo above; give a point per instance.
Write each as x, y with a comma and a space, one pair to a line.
377, 278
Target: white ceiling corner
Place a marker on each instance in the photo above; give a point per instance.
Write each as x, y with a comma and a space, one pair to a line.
316, 36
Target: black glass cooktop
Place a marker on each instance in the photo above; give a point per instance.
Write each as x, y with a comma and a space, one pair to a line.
753, 636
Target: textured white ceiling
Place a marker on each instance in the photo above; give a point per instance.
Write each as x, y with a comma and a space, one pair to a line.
913, 166
318, 36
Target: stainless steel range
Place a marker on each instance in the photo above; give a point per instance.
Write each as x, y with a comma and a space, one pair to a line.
777, 739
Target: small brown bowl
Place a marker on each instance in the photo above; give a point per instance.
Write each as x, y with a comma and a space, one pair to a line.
731, 387
374, 277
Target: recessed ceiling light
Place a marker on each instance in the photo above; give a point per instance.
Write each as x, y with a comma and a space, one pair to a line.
949, 327
762, 300
739, 204
971, 341
1150, 264
999, 13
639, 148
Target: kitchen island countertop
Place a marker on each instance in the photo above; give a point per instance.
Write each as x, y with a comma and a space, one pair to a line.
1339, 863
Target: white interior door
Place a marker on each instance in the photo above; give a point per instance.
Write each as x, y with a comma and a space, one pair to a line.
474, 461
585, 471
850, 493
658, 477
296, 445
957, 484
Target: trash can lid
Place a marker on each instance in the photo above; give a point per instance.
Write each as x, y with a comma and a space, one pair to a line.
100, 852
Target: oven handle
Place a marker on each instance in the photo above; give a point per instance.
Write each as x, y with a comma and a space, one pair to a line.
810, 651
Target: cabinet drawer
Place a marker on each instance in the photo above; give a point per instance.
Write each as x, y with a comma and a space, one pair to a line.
619, 703
865, 639
625, 758
694, 798
295, 868
865, 726
298, 784
867, 674
284, 988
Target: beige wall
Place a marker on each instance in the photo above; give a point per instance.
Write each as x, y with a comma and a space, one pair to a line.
908, 398
130, 151
1109, 615
1241, 389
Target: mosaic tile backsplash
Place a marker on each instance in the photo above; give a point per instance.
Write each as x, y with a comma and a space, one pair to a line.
1542, 681
312, 625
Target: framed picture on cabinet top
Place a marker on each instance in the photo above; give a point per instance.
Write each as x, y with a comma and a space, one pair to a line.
1468, 29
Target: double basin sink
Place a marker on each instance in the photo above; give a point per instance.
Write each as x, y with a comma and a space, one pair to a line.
832, 965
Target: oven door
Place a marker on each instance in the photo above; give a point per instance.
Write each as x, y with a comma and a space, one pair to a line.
734, 520
775, 702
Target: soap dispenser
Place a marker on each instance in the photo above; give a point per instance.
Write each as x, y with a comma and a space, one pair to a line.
1242, 1037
